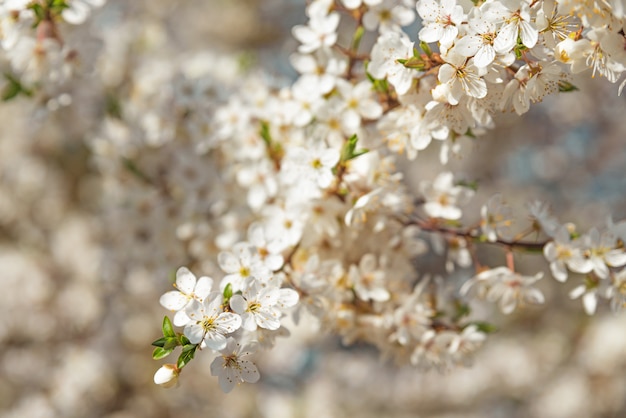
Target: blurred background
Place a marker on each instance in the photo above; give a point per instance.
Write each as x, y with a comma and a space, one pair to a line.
82, 281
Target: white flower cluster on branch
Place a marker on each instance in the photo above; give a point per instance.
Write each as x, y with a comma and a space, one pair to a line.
31, 40
291, 196
329, 208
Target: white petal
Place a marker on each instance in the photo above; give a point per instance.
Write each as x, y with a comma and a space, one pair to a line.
181, 319
249, 372
248, 322
615, 258
194, 333
590, 301
268, 320
214, 341
351, 4
559, 271
229, 322
484, 56
577, 292
534, 296
288, 298
367, 263
446, 73
173, 300
528, 34
76, 14
431, 33
468, 45
228, 262
508, 303
185, 280
203, 287
506, 39
238, 304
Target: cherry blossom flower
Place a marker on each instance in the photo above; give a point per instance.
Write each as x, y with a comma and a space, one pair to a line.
314, 164
467, 342
209, 323
230, 367
240, 264
505, 287
478, 43
496, 219
319, 33
268, 249
369, 282
388, 15
320, 70
561, 252
599, 252
259, 305
516, 15
443, 198
388, 50
462, 76
440, 20
589, 293
540, 214
189, 289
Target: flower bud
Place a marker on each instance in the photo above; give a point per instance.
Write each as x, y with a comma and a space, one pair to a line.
167, 376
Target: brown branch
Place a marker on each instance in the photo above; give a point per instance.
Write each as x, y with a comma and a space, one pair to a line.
472, 235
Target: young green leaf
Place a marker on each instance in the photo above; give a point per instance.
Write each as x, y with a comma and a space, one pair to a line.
349, 149
187, 355
160, 342
168, 329
228, 293
160, 353
485, 327
566, 86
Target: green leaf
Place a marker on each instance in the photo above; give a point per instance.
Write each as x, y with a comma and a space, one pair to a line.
160, 342
566, 86
228, 293
265, 133
135, 170
187, 355
356, 39
40, 13
462, 310
246, 61
14, 88
426, 48
113, 106
57, 6
168, 329
160, 353
482, 326
183, 340
415, 63
519, 48
171, 343
349, 149
469, 184
470, 133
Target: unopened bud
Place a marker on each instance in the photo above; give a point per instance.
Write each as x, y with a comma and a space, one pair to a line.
167, 376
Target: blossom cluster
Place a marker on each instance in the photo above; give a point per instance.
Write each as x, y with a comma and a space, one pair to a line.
32, 43
322, 191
